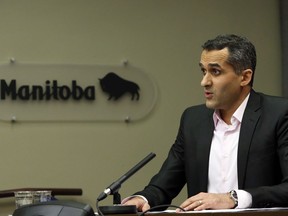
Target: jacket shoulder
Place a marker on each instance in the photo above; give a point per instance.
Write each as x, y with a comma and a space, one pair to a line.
197, 113
273, 102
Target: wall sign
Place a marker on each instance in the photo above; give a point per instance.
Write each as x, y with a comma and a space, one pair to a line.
38, 92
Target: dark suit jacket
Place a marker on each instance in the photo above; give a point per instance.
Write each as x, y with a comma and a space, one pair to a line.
262, 154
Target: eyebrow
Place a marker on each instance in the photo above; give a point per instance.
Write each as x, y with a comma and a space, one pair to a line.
210, 65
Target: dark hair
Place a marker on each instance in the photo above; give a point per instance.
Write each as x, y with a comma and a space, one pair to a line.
242, 53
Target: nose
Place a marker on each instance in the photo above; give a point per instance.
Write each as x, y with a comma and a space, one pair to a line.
206, 80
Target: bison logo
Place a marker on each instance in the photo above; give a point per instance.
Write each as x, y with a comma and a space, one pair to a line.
115, 87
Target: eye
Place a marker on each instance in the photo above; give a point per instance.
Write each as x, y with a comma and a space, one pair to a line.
203, 71
216, 71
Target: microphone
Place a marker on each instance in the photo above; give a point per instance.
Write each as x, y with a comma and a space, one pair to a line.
114, 187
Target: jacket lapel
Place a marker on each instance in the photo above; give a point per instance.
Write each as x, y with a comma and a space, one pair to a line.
249, 122
204, 150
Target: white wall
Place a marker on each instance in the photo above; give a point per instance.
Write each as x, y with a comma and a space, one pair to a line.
161, 37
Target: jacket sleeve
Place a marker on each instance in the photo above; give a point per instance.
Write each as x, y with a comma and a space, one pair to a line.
169, 181
277, 194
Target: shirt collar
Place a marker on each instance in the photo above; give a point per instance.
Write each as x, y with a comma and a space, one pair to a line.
237, 115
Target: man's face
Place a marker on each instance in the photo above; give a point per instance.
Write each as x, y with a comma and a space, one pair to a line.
222, 86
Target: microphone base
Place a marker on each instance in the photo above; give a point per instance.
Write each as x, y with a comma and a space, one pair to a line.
118, 209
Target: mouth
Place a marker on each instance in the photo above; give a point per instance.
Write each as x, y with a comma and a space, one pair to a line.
208, 95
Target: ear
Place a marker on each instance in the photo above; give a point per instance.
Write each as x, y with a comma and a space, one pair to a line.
246, 77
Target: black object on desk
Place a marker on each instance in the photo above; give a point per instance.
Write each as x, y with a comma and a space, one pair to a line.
55, 208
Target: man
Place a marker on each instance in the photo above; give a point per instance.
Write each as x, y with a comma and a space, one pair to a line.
231, 152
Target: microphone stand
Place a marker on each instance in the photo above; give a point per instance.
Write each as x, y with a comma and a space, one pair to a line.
116, 198
113, 189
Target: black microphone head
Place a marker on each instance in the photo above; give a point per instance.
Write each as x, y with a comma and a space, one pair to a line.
102, 196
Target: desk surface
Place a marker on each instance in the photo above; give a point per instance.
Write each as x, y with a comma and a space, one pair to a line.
252, 212
263, 212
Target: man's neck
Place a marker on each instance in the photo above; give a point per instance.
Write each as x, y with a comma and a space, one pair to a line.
226, 115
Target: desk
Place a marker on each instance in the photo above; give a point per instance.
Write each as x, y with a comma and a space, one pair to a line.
252, 212
259, 212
